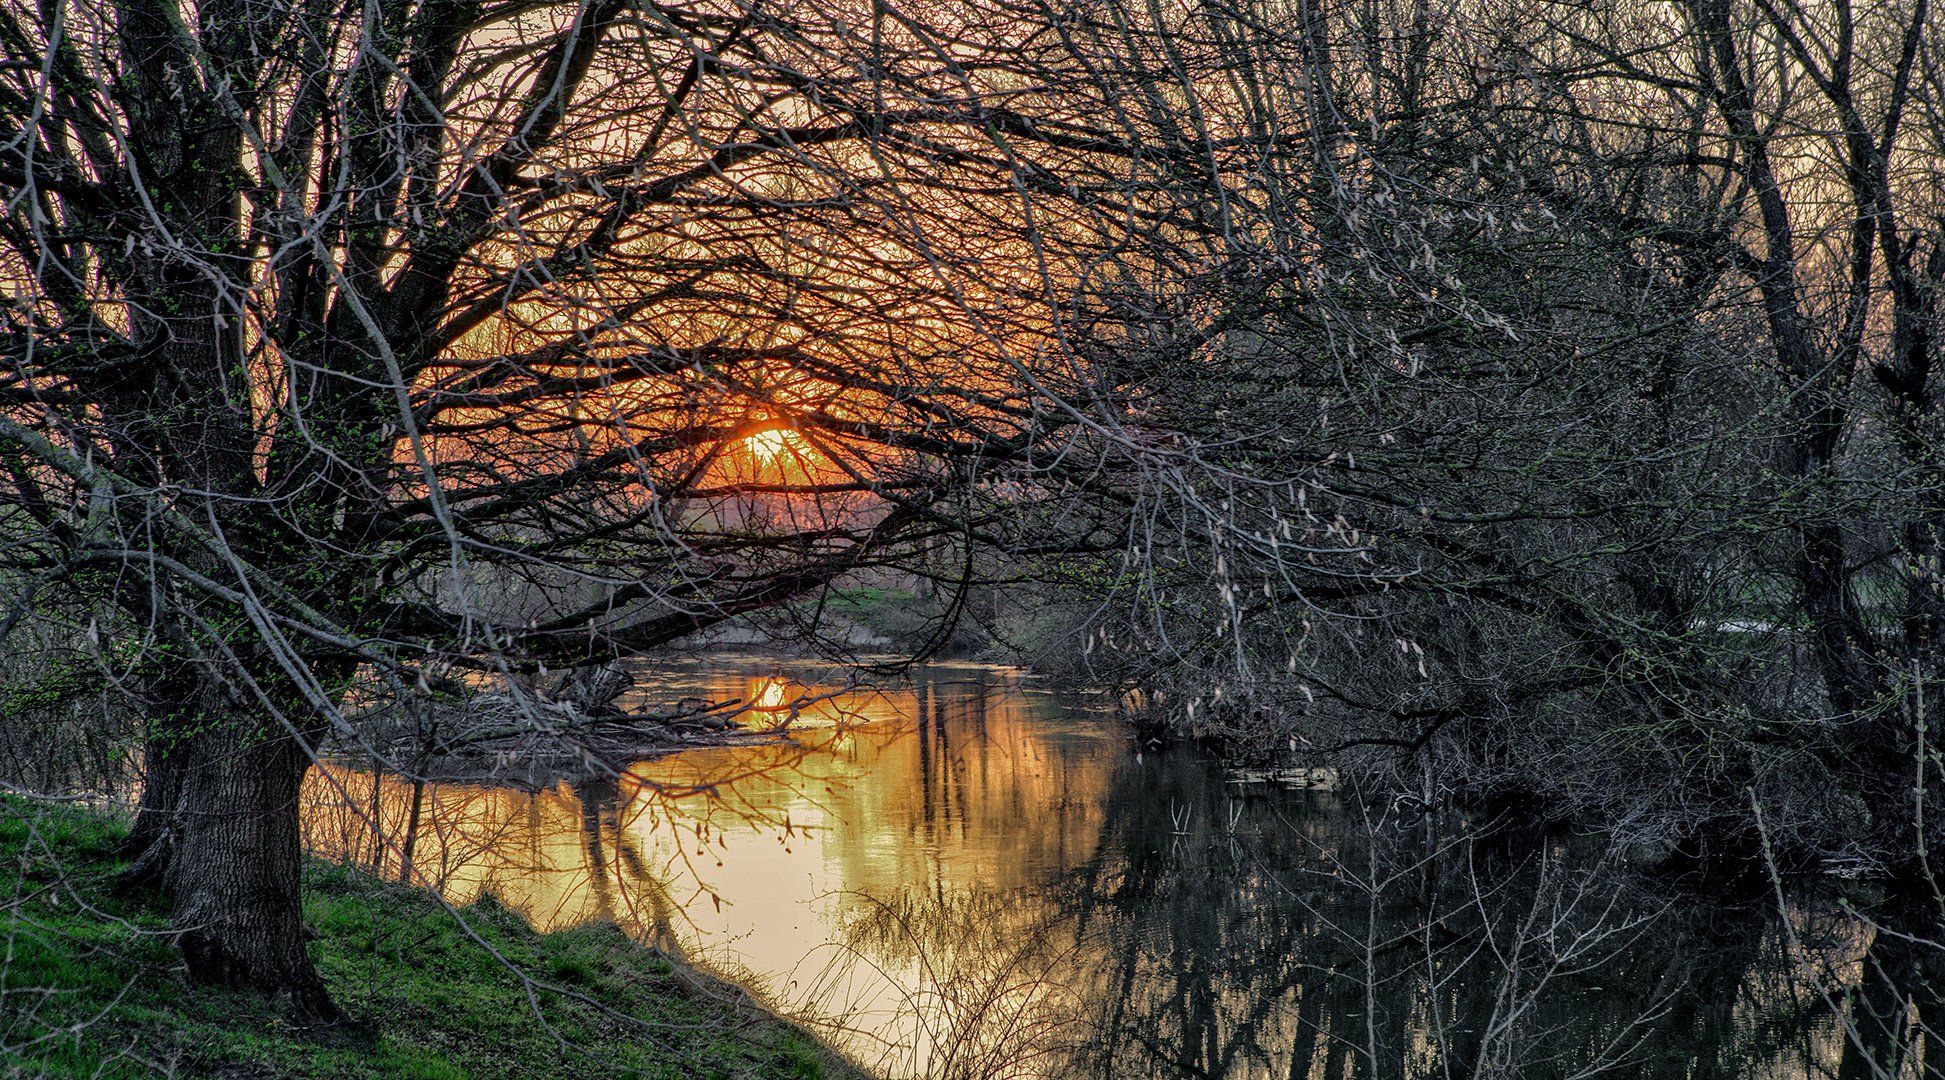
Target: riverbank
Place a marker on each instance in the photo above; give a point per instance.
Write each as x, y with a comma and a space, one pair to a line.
91, 986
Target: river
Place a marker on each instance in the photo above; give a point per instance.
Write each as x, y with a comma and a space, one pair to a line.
962, 874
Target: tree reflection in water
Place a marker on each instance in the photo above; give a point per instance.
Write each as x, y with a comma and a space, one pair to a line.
979, 884
1318, 940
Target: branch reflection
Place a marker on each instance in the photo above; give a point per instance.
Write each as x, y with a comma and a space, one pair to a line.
960, 876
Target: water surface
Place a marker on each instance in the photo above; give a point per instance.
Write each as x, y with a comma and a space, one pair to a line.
964, 875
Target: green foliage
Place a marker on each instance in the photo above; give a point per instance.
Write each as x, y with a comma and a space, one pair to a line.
92, 987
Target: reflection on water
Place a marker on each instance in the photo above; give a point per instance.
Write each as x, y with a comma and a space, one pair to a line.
962, 876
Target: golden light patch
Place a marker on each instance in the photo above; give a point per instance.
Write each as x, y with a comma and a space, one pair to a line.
770, 694
774, 445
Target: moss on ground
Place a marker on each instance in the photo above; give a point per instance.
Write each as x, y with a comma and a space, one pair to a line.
90, 985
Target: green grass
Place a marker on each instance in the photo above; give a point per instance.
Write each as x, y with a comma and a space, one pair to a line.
90, 986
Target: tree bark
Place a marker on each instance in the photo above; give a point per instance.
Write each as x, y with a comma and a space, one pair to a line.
218, 831
152, 838
234, 875
167, 700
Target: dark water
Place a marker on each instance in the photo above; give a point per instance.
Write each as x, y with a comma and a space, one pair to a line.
962, 876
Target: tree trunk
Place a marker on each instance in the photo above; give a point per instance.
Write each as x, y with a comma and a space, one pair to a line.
168, 700
235, 874
152, 837
219, 831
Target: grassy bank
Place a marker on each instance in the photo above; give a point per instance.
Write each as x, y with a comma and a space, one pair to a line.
90, 986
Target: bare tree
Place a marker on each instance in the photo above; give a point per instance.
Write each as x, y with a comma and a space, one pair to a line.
354, 353
1605, 341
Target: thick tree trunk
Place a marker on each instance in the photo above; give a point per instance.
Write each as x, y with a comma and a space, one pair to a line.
234, 875
218, 830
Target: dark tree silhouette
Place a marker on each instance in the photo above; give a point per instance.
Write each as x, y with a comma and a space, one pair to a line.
350, 350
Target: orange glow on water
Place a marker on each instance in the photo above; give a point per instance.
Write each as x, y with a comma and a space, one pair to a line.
770, 693
770, 700
766, 861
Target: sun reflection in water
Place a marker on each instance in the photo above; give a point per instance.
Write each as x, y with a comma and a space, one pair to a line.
770, 701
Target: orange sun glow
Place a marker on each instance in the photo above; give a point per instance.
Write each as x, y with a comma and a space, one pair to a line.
773, 445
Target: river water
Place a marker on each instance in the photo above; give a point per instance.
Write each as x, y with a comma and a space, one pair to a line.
963, 875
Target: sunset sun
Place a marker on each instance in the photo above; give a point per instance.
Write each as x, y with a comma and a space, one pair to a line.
774, 446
